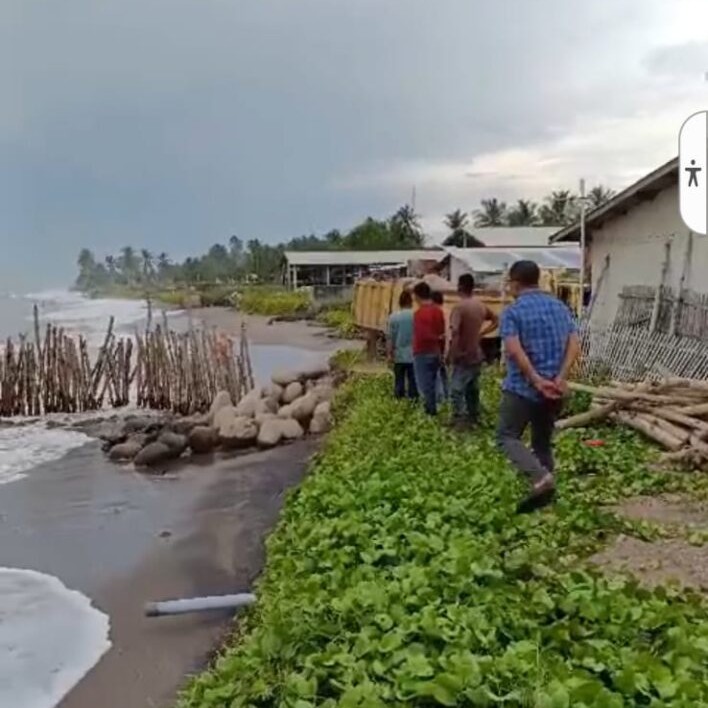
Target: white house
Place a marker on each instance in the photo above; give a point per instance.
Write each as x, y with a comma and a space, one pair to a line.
639, 239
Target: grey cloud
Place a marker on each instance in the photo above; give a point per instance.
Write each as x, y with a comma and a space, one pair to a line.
175, 123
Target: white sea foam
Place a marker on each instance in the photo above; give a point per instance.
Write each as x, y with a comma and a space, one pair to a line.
88, 316
50, 637
25, 446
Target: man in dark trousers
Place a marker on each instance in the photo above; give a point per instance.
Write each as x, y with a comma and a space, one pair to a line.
541, 344
400, 348
428, 345
470, 320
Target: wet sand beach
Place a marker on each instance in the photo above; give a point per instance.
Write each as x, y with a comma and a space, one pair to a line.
124, 538
301, 334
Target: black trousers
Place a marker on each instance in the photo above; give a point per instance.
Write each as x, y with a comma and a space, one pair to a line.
404, 384
516, 413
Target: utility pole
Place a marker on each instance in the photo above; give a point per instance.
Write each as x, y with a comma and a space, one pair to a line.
582, 248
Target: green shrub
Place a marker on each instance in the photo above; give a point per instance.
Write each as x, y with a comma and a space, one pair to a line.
341, 320
400, 575
273, 302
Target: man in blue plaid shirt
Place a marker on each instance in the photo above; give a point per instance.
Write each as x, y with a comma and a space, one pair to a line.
541, 344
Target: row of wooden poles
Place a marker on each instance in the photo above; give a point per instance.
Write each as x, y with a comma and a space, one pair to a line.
157, 368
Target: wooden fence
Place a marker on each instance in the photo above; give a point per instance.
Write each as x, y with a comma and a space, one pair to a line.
634, 353
683, 313
158, 368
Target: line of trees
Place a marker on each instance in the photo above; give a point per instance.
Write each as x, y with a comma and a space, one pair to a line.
240, 260
252, 259
560, 208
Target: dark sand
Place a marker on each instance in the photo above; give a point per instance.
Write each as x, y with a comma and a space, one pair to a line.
124, 539
301, 334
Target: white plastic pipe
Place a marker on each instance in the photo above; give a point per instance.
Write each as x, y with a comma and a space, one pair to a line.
198, 604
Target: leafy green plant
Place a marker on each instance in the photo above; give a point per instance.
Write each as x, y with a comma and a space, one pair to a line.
341, 320
273, 302
399, 575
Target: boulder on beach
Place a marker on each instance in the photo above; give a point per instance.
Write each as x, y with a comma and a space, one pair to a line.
292, 391
286, 411
154, 453
270, 434
321, 419
304, 407
238, 432
262, 417
221, 400
123, 452
291, 429
247, 405
176, 442
183, 426
273, 391
112, 433
140, 424
285, 377
203, 439
222, 415
314, 371
323, 391
266, 405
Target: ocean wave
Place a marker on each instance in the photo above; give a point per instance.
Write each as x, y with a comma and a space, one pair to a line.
50, 637
23, 447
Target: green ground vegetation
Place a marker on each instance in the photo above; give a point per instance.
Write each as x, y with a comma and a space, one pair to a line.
399, 575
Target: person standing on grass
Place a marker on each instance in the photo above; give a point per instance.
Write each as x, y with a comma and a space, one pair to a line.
400, 348
428, 345
442, 384
470, 321
541, 345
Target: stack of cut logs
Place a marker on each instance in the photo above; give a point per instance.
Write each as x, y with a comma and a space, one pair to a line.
672, 412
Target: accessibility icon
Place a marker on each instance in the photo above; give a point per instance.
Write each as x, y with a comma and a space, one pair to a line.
693, 175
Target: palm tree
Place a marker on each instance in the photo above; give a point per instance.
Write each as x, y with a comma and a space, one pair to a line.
492, 213
460, 237
560, 208
523, 213
147, 265
111, 266
128, 263
598, 195
405, 224
163, 264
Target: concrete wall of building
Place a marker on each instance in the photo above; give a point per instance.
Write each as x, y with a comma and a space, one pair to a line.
635, 244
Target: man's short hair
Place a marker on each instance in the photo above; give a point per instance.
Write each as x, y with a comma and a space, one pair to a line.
526, 273
437, 297
465, 283
405, 299
422, 290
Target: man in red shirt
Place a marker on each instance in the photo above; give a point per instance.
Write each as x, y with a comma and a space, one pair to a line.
428, 345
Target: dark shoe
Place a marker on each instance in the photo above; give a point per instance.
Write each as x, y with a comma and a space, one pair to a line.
541, 495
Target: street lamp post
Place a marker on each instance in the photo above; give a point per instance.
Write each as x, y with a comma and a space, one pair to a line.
582, 248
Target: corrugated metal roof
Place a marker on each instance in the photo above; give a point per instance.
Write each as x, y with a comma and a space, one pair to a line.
514, 236
496, 260
361, 258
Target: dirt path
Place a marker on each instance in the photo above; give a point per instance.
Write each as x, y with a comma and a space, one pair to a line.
217, 547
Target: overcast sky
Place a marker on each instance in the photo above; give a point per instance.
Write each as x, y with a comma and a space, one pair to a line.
173, 124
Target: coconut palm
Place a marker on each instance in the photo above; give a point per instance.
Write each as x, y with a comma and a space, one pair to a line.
492, 213
457, 221
523, 213
146, 263
559, 209
598, 195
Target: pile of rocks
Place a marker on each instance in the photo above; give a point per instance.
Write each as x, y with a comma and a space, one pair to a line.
294, 404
